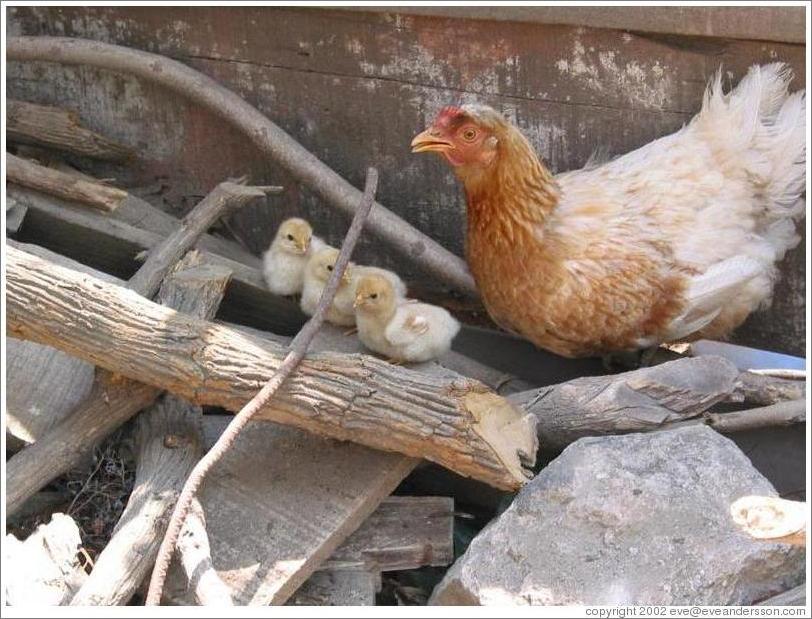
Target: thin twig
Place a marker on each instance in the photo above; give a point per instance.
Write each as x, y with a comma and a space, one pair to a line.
781, 373
297, 350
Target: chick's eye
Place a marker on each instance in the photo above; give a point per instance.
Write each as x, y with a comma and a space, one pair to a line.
374, 295
290, 237
329, 267
469, 134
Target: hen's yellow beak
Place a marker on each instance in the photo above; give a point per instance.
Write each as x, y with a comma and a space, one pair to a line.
429, 141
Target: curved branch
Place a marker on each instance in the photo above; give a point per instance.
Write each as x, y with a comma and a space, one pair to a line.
268, 137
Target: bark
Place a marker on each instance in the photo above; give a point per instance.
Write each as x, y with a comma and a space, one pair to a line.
191, 288
32, 175
45, 125
272, 140
170, 440
457, 423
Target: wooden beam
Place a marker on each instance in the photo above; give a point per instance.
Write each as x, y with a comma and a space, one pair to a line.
404, 533
169, 443
455, 422
32, 175
54, 127
280, 503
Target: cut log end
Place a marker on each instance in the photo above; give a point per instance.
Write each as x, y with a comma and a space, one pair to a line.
771, 518
507, 430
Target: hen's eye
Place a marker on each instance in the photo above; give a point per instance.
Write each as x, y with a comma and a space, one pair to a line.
469, 134
290, 237
329, 267
374, 295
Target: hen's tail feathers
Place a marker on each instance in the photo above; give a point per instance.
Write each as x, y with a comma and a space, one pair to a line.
707, 294
761, 127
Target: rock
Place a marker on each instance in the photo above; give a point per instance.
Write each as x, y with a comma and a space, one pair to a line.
633, 519
44, 570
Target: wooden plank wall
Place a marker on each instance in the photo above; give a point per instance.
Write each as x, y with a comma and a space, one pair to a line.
354, 87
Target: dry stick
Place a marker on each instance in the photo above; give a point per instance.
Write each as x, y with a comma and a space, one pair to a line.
298, 349
112, 401
29, 123
30, 174
266, 135
781, 414
195, 558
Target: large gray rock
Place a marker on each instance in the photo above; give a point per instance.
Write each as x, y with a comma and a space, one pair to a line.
640, 518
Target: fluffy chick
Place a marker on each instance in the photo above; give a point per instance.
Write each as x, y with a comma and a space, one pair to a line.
400, 329
360, 271
283, 264
317, 272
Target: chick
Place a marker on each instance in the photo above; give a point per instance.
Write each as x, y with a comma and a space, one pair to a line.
359, 271
283, 264
400, 329
318, 271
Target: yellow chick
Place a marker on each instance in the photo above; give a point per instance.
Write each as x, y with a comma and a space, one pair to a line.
360, 271
398, 328
318, 271
283, 264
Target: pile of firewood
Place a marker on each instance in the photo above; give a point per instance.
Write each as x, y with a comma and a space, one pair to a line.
123, 318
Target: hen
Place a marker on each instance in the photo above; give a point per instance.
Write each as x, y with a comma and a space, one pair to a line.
677, 239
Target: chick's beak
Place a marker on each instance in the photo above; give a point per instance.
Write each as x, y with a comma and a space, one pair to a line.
302, 246
429, 141
359, 301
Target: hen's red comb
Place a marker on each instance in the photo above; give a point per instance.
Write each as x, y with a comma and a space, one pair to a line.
448, 115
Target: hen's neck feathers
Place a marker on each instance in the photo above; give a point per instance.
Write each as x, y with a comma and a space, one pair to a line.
518, 189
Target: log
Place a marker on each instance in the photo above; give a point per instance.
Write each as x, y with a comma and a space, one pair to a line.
32, 175
111, 245
772, 519
776, 415
54, 127
296, 352
457, 423
192, 288
194, 555
646, 399
266, 135
169, 442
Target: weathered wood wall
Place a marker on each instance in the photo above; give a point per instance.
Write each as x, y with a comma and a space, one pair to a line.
354, 87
